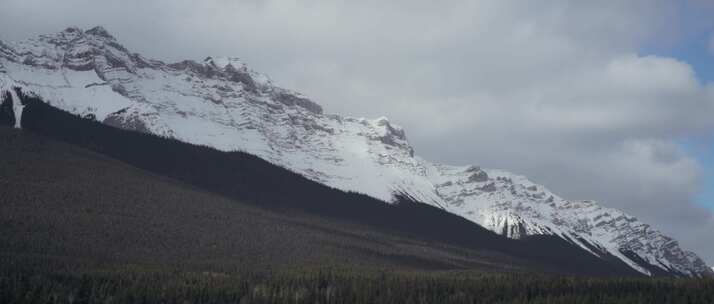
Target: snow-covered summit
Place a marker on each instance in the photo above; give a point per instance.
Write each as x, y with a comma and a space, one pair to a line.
220, 102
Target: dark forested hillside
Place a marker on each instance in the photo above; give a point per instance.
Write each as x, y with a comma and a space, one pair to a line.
66, 205
7, 114
250, 179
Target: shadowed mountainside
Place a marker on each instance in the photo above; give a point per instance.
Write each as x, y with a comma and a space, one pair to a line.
64, 205
247, 178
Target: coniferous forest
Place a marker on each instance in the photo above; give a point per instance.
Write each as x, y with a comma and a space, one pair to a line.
130, 285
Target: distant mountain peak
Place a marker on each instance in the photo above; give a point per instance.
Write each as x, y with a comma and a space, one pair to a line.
222, 103
225, 62
100, 32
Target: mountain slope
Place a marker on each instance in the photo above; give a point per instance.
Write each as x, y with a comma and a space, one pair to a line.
78, 208
66, 204
249, 179
222, 104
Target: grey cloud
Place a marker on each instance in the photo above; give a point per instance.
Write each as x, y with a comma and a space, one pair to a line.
555, 91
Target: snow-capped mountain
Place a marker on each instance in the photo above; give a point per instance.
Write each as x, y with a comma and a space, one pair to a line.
222, 103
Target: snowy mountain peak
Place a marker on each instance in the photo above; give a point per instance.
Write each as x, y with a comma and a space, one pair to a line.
222, 103
78, 50
225, 62
388, 134
100, 32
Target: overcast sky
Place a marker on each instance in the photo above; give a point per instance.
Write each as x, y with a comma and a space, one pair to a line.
605, 100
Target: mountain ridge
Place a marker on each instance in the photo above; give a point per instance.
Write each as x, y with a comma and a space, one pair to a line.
248, 179
223, 104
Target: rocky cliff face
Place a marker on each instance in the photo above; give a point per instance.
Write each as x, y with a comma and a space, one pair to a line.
222, 103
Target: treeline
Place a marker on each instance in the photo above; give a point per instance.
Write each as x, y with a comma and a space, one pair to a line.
251, 179
342, 286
